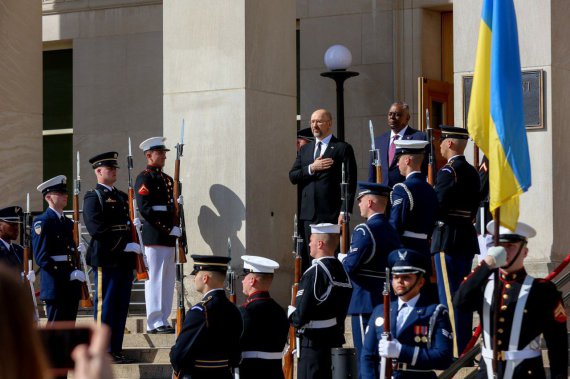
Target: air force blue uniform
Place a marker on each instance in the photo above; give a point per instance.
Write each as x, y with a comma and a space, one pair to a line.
53, 246
366, 267
425, 337
413, 212
12, 256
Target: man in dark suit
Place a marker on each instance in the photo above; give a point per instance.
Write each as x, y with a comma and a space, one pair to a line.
53, 246
398, 118
421, 332
318, 172
111, 250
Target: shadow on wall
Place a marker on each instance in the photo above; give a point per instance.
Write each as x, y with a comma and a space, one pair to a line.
223, 222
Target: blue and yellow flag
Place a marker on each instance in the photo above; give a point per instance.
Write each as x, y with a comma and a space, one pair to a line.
496, 117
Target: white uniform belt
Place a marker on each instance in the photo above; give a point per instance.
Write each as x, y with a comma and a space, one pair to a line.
159, 208
320, 324
59, 258
261, 355
511, 355
422, 236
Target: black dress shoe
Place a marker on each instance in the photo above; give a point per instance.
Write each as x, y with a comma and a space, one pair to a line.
163, 329
119, 358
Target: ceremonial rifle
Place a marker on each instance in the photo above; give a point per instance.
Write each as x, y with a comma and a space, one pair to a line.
181, 243
293, 343
142, 272
28, 265
345, 221
386, 363
431, 155
375, 154
231, 275
78, 260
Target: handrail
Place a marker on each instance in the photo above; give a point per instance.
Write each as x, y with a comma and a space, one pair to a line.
473, 347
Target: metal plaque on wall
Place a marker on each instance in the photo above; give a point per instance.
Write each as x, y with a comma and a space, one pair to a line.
533, 89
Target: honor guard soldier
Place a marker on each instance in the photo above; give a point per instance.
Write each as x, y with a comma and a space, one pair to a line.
111, 251
265, 323
11, 254
414, 203
454, 239
53, 246
421, 338
155, 200
208, 344
304, 136
322, 303
366, 261
527, 307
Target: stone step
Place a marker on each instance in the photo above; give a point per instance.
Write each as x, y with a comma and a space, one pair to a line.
143, 371
149, 355
145, 341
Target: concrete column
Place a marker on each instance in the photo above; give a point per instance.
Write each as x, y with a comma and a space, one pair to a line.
21, 100
229, 72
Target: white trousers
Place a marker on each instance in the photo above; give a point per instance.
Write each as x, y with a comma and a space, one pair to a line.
159, 289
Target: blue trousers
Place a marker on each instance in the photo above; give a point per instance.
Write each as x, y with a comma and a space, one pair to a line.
61, 310
359, 325
451, 271
112, 296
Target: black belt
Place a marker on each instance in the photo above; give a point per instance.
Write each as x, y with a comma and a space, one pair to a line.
211, 364
119, 228
407, 367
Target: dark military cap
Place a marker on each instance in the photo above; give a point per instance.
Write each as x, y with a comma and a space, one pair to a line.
55, 184
409, 146
449, 131
367, 188
106, 159
407, 261
210, 263
306, 134
12, 214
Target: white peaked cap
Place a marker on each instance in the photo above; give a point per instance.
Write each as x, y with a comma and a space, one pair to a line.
522, 230
259, 265
325, 228
153, 143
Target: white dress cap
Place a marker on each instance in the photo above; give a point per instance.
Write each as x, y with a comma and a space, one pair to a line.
261, 265
57, 183
325, 228
410, 144
153, 143
522, 230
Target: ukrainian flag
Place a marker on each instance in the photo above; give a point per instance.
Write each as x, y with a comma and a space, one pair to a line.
496, 118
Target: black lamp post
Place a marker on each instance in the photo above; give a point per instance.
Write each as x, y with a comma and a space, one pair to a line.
337, 59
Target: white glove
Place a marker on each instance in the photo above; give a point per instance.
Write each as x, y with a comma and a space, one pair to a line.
137, 222
176, 232
31, 276
389, 349
133, 247
290, 310
81, 248
499, 254
342, 257
77, 275
180, 200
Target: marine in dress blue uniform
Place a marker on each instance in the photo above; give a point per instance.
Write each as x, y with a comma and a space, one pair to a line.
11, 254
454, 239
208, 344
111, 251
528, 308
398, 118
421, 333
155, 199
53, 246
265, 323
365, 262
321, 304
414, 202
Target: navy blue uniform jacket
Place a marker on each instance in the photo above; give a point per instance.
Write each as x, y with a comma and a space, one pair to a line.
434, 352
366, 262
51, 237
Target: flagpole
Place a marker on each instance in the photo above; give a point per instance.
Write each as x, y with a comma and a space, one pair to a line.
496, 295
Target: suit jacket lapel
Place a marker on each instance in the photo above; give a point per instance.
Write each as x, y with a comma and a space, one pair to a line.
328, 153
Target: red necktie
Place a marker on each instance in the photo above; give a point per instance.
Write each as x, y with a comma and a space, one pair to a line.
392, 150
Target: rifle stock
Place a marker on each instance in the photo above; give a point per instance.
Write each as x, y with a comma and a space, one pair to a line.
345, 220
378, 174
386, 363
179, 212
27, 256
288, 357
140, 267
